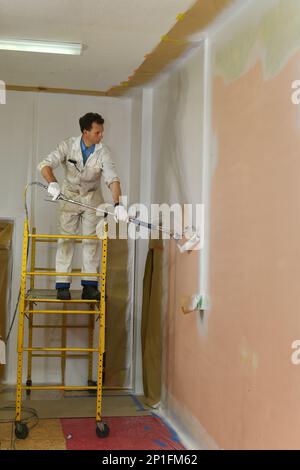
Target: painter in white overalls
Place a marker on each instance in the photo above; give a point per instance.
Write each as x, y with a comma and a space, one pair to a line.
85, 159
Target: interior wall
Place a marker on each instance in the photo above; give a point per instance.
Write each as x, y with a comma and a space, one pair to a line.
177, 177
32, 124
17, 119
233, 385
177, 134
255, 232
135, 197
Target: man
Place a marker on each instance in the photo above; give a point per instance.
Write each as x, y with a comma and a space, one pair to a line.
84, 159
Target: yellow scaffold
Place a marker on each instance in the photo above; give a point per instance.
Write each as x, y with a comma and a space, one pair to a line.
30, 298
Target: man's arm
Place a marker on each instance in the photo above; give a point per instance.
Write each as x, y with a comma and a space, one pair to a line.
52, 161
115, 188
47, 173
113, 182
53, 188
121, 214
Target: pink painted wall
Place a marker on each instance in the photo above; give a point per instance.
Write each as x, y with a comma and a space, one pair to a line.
238, 381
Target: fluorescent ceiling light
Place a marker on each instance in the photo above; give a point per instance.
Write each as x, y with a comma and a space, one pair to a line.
26, 45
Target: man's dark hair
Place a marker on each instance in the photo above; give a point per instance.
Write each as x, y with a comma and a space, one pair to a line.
86, 121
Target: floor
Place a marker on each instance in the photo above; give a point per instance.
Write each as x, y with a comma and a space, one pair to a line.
66, 420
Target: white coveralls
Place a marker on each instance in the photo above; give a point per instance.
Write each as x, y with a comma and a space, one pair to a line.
81, 183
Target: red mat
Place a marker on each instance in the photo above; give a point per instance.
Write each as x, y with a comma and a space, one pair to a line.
126, 433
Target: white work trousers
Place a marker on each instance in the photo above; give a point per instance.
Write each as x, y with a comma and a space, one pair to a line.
69, 220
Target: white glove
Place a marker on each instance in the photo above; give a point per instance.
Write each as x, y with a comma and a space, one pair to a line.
121, 214
54, 190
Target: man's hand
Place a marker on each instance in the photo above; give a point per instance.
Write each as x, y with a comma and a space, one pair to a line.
121, 214
54, 190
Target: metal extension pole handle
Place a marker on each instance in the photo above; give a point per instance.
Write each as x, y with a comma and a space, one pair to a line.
131, 219
188, 246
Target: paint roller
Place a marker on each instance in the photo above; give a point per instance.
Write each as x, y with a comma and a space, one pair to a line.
190, 244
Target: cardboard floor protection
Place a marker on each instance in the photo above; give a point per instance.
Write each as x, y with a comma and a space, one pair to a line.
126, 433
47, 434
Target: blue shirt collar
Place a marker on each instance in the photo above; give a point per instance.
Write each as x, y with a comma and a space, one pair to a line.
86, 149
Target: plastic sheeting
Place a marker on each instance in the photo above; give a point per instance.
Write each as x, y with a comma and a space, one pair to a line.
6, 232
43, 120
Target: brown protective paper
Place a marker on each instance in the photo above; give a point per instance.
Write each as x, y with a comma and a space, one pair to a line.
198, 17
6, 231
174, 44
151, 330
117, 328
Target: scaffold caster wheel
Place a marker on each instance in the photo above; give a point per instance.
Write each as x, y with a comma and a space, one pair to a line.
28, 384
21, 430
102, 430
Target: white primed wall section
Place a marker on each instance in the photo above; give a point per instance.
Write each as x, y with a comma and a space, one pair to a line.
142, 245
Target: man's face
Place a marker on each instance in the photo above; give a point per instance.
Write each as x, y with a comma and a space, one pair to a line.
95, 135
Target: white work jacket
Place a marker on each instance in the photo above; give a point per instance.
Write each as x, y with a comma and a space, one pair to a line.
78, 178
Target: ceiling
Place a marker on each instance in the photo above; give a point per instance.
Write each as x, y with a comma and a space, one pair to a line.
116, 33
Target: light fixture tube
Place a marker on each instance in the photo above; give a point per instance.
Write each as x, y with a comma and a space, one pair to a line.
48, 47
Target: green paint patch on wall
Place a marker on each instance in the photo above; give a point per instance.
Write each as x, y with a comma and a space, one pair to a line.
276, 36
